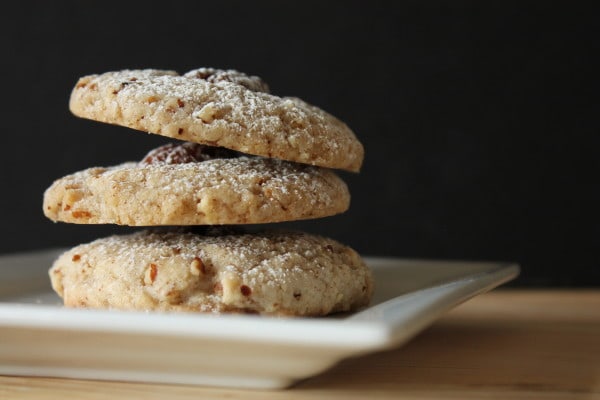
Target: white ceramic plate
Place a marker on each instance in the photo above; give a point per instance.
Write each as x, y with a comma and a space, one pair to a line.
40, 337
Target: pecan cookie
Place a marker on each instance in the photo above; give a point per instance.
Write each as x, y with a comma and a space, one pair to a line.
220, 108
267, 273
191, 184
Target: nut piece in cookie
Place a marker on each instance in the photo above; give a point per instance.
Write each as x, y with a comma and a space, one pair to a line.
183, 153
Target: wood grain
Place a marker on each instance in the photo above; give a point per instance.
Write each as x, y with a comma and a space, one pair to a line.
506, 344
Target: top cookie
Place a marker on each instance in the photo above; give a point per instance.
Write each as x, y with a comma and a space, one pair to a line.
218, 108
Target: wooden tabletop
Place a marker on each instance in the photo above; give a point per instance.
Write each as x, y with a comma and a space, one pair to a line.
507, 344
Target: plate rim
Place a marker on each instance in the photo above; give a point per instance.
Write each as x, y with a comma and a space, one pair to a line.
325, 331
306, 345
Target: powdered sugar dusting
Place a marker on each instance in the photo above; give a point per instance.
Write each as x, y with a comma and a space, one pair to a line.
213, 75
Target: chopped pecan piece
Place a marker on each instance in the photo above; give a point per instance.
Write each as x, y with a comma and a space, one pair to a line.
186, 152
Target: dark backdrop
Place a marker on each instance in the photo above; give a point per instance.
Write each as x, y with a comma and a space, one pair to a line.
479, 119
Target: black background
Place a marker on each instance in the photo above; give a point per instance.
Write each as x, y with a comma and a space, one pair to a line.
479, 119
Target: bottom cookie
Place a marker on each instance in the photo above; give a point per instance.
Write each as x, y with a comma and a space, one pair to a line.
272, 273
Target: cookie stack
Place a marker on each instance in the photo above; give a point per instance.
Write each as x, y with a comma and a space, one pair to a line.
242, 156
